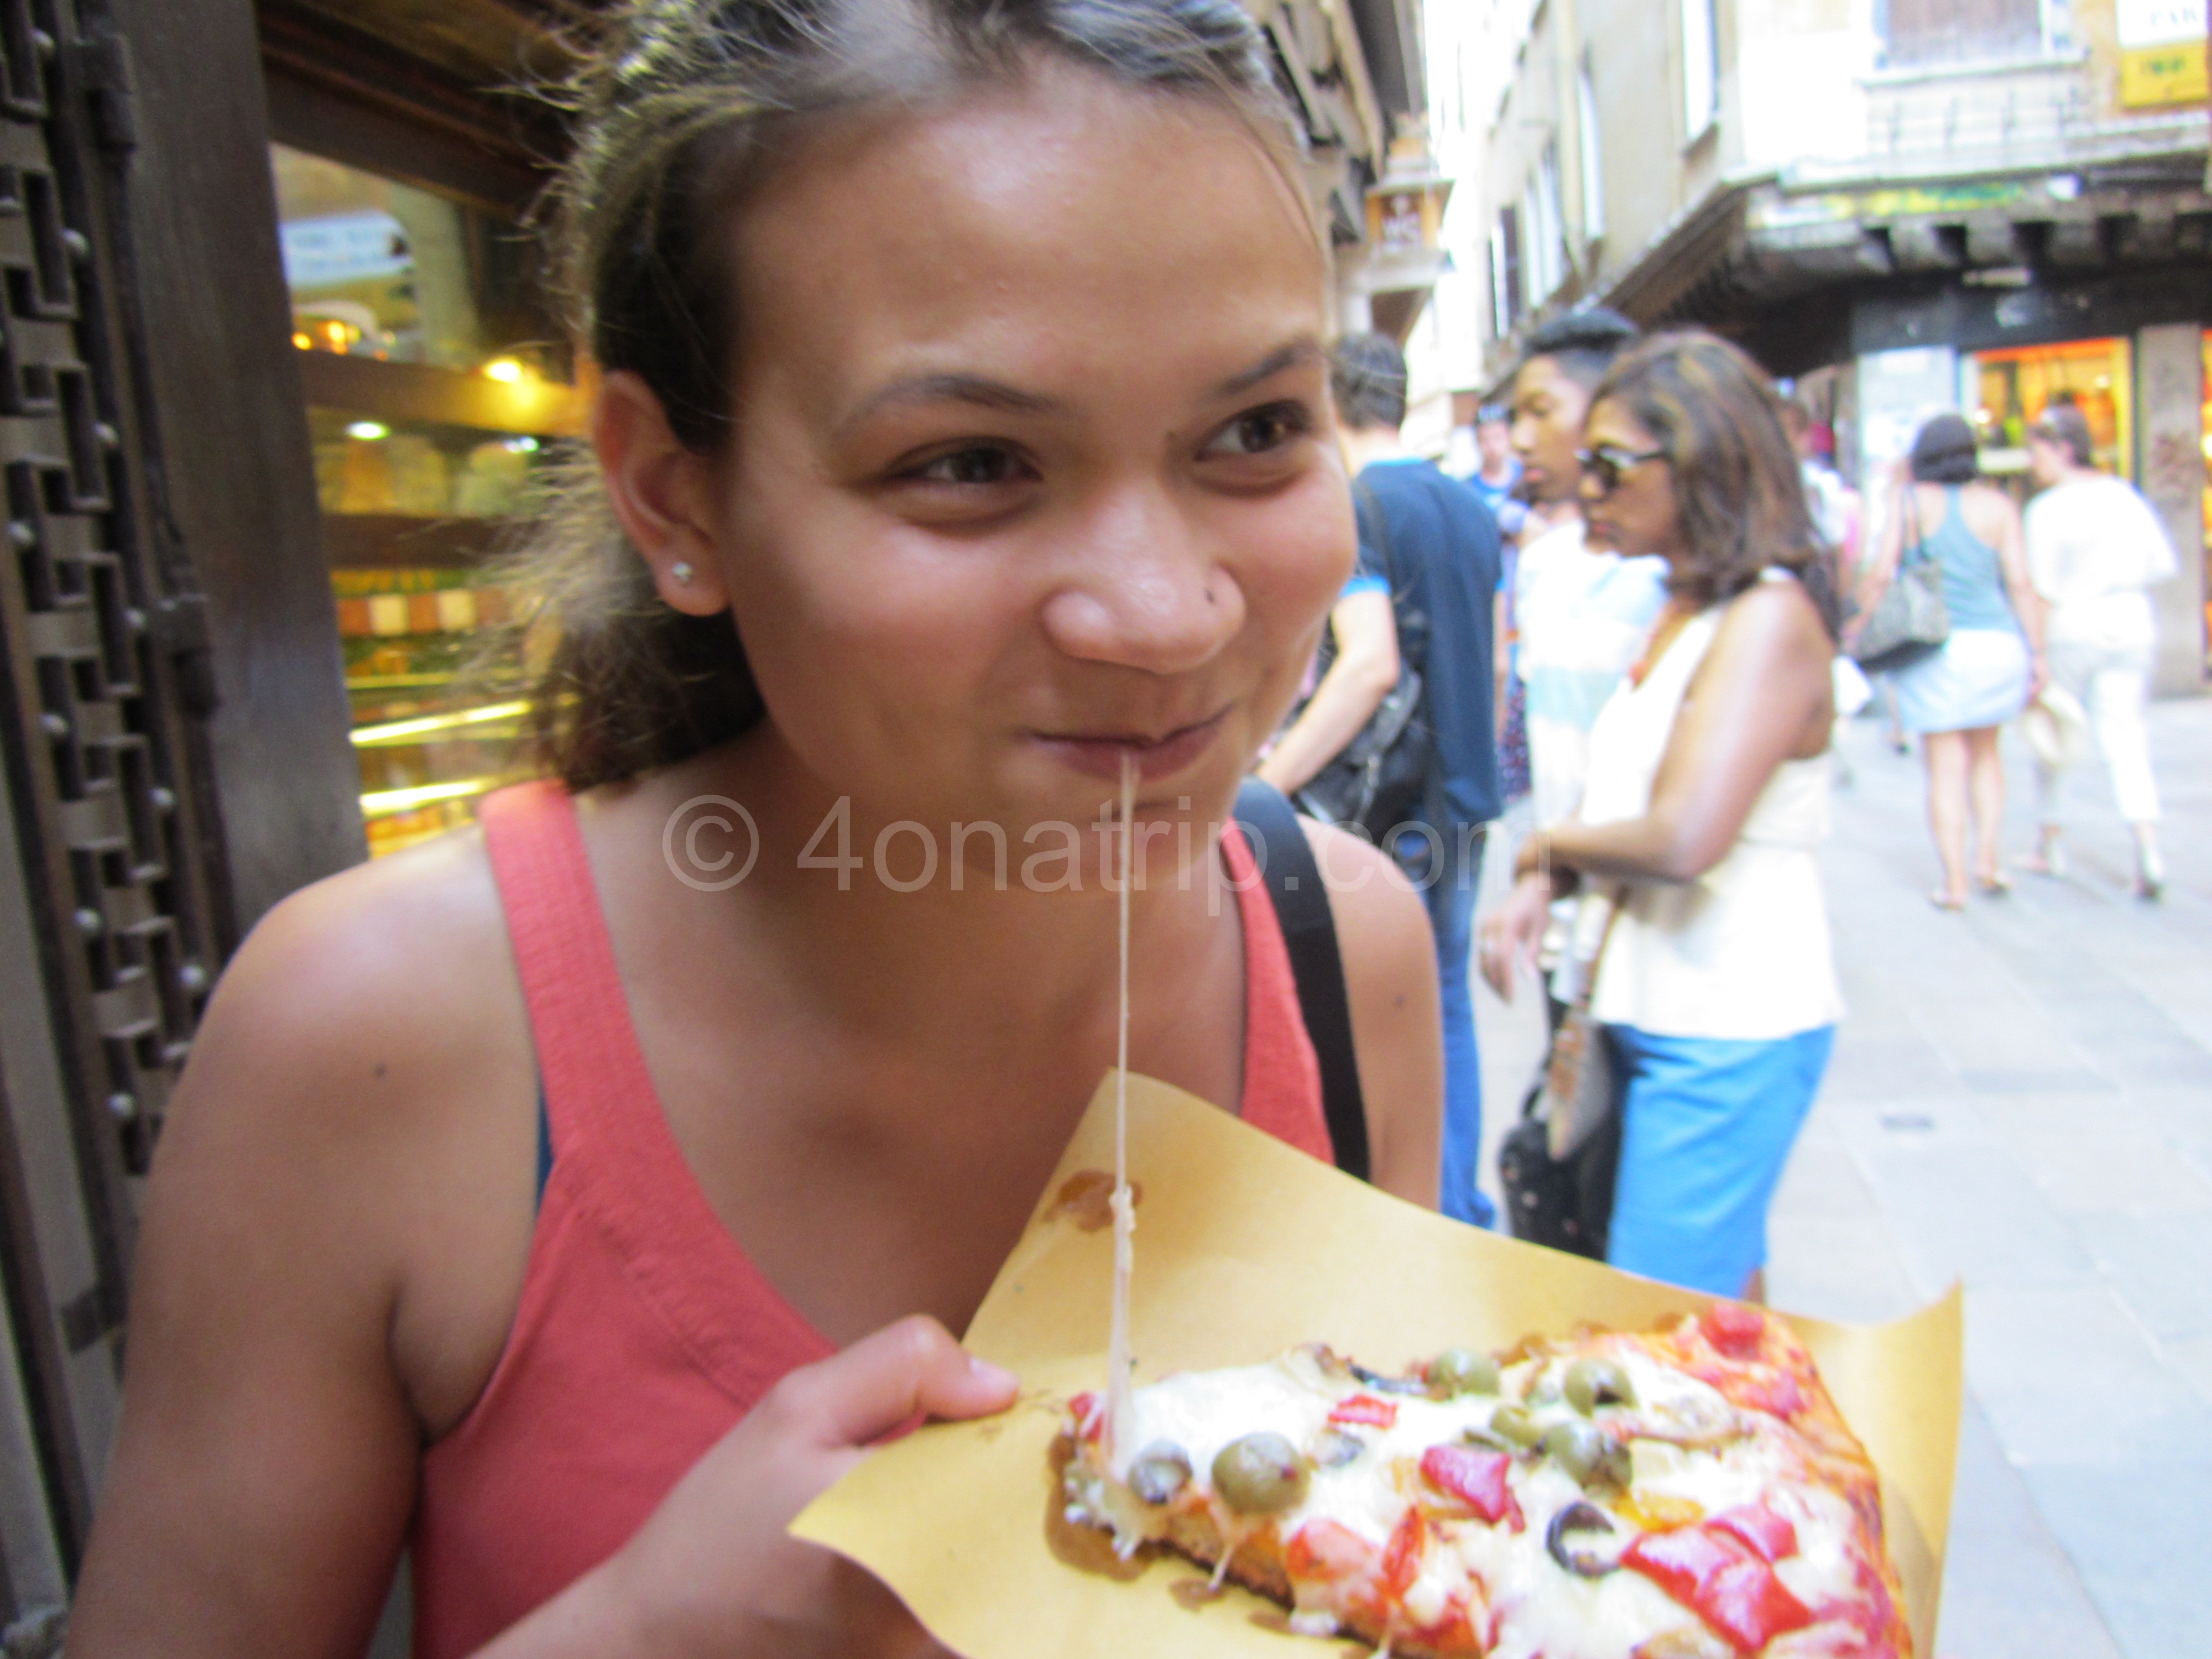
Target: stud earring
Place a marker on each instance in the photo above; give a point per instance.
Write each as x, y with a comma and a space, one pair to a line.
681, 570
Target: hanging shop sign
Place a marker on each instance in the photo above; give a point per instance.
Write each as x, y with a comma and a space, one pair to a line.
2162, 52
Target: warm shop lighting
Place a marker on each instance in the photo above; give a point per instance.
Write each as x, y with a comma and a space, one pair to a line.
507, 371
303, 341
383, 803
368, 432
367, 737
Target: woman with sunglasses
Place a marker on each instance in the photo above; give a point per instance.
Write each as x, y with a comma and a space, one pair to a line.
1695, 843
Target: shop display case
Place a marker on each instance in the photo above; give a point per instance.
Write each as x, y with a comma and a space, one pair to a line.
2015, 386
437, 394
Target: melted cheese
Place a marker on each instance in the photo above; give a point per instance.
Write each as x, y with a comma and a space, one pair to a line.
1698, 1448
1119, 1365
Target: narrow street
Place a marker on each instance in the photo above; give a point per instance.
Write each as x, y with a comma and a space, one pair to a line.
2021, 1098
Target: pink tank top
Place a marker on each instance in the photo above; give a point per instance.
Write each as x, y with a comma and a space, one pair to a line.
644, 1334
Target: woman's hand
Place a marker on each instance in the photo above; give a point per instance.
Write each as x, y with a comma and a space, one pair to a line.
712, 1572
1513, 932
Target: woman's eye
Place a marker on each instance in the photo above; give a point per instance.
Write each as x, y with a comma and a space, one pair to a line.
1257, 431
978, 464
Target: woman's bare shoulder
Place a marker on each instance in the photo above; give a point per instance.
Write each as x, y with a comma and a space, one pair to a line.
359, 1003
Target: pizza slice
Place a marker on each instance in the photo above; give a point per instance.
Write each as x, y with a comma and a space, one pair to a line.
1686, 1493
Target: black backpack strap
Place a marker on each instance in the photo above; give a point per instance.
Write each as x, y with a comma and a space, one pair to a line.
1271, 829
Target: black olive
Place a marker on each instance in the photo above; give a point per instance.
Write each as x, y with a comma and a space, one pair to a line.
1333, 1449
1160, 1471
1383, 1384
1578, 1517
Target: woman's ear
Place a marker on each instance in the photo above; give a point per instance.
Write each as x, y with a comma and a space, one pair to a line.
662, 495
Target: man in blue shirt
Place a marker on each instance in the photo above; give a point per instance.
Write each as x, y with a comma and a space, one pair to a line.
1428, 573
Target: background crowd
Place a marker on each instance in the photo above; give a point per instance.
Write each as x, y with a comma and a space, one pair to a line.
1634, 626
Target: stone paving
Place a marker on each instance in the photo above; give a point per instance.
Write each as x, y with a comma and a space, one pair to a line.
2021, 1098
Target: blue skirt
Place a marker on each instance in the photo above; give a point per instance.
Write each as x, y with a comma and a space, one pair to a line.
1978, 677
1706, 1125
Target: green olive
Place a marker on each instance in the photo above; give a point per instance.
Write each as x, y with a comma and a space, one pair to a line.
1261, 1474
1577, 1447
1458, 1370
1160, 1471
1514, 1424
1590, 1383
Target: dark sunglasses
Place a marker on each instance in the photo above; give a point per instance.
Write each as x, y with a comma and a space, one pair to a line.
1608, 463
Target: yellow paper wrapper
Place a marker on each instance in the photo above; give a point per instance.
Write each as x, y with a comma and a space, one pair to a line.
1246, 1247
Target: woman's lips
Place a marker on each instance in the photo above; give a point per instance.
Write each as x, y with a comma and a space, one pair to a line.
1100, 754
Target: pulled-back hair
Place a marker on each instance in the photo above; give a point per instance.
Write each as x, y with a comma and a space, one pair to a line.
1738, 491
676, 116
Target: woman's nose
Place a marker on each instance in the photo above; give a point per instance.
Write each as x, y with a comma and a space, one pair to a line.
1148, 592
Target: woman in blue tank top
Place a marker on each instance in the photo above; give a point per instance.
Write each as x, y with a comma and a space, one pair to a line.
1956, 697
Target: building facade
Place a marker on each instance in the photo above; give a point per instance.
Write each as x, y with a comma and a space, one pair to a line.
1979, 204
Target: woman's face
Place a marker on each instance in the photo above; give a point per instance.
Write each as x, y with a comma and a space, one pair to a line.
1032, 467
1628, 493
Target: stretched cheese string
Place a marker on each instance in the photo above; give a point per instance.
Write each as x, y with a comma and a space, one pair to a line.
1119, 1365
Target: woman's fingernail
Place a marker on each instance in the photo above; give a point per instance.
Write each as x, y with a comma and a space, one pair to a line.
996, 1376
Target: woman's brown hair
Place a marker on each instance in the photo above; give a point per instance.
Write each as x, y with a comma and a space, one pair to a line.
680, 110
1738, 490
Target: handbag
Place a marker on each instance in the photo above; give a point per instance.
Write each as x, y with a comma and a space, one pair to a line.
1377, 780
1557, 1165
1911, 619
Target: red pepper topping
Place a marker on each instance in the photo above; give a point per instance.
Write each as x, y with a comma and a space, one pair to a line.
1747, 1604
1367, 1409
1090, 1421
1717, 1576
1323, 1549
1477, 1479
1734, 1329
1770, 1536
1401, 1561
1771, 1391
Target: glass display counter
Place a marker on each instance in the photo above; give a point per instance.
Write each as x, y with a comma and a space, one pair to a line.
436, 396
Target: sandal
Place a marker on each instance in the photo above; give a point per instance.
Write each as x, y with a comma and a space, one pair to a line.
1995, 885
1943, 901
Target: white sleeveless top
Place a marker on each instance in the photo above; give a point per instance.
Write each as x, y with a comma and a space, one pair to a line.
1743, 951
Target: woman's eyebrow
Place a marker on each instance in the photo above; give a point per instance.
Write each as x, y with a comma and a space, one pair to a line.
1292, 354
976, 391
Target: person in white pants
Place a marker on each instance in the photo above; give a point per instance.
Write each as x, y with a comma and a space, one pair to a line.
2093, 547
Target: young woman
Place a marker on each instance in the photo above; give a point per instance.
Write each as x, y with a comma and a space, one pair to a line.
1956, 697
1706, 797
550, 1200
2095, 549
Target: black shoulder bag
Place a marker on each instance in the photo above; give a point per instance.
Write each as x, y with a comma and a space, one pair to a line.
1286, 863
1377, 780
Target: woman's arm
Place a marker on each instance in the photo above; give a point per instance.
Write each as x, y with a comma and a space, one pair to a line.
1763, 695
1365, 669
335, 1234
2011, 545
1397, 1029
1881, 561
265, 1465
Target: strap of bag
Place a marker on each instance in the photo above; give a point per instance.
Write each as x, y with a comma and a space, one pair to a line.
1294, 883
1369, 505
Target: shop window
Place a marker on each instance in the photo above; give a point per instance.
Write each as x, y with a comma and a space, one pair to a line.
1930, 32
437, 390
2016, 385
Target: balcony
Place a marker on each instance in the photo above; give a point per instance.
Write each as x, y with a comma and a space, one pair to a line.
2024, 112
